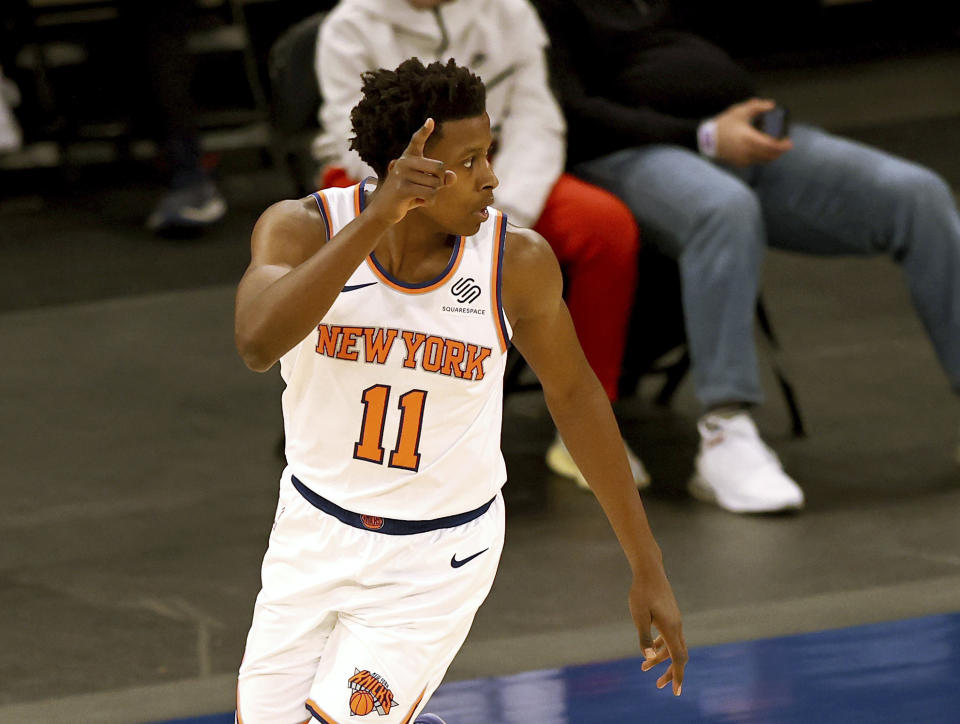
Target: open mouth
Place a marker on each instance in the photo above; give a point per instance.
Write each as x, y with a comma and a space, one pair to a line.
483, 212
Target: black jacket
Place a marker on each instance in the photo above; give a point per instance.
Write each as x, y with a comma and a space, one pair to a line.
625, 77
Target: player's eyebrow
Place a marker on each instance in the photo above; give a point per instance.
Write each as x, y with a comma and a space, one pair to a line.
474, 149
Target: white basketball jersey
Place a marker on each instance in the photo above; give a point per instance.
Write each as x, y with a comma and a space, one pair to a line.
393, 405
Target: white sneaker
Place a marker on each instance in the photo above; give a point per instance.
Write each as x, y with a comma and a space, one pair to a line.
737, 471
560, 462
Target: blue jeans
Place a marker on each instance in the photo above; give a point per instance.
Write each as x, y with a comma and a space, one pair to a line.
827, 195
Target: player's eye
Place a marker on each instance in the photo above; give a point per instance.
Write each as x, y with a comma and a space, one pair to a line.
468, 163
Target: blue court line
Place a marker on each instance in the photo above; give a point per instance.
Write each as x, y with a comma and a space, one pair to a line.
904, 671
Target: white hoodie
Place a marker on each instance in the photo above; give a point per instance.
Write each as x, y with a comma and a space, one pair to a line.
502, 41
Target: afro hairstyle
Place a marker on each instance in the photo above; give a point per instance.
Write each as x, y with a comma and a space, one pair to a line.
396, 103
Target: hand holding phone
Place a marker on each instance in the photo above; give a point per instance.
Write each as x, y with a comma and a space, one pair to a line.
754, 131
775, 122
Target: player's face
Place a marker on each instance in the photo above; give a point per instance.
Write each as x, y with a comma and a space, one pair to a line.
463, 146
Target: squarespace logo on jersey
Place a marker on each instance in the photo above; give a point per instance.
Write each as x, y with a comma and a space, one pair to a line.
465, 291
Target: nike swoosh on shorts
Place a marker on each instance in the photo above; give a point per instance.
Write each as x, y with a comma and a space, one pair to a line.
456, 564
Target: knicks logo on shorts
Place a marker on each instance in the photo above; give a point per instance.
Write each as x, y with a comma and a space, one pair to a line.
369, 691
372, 522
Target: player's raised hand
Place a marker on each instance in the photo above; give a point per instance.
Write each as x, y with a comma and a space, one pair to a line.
412, 180
652, 603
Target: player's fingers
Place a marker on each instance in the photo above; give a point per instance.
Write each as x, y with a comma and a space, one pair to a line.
666, 678
646, 639
662, 655
419, 139
425, 194
677, 647
421, 165
449, 178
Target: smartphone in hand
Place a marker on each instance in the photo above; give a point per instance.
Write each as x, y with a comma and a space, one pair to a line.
775, 122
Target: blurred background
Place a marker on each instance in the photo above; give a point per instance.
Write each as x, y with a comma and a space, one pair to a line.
140, 458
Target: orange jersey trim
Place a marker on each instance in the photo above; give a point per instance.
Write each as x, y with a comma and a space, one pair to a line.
430, 286
414, 707
357, 202
495, 276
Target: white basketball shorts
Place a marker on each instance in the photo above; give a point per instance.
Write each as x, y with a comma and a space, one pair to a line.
355, 624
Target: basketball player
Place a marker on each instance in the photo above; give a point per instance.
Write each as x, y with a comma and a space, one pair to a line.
390, 307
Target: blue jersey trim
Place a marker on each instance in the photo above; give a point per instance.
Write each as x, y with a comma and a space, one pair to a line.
363, 194
387, 526
323, 213
500, 314
454, 256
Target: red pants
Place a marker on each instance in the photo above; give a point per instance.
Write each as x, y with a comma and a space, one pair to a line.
596, 240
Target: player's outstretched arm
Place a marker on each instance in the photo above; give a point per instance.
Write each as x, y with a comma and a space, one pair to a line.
294, 275
544, 335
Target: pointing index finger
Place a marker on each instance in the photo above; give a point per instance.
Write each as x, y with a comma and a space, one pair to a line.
419, 139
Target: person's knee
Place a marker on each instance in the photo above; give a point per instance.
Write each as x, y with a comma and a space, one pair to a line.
728, 206
603, 213
616, 229
729, 220
917, 201
921, 188
600, 230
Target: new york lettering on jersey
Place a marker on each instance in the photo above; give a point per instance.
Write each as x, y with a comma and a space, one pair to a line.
372, 345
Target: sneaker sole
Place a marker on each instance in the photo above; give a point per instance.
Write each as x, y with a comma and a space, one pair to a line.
698, 488
189, 218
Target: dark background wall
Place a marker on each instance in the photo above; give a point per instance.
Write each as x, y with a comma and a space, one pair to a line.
89, 70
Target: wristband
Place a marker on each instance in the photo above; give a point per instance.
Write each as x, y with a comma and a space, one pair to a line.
707, 138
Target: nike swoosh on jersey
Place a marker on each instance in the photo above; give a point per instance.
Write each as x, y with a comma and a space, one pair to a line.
456, 564
351, 287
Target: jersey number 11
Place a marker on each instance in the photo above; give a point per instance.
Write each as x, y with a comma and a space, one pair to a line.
369, 447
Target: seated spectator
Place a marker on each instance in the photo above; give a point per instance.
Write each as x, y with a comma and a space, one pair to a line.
664, 119
593, 234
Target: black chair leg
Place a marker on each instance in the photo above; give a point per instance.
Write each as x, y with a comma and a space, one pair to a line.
674, 376
786, 388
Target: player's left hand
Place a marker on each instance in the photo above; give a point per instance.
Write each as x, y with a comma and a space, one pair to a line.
652, 603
